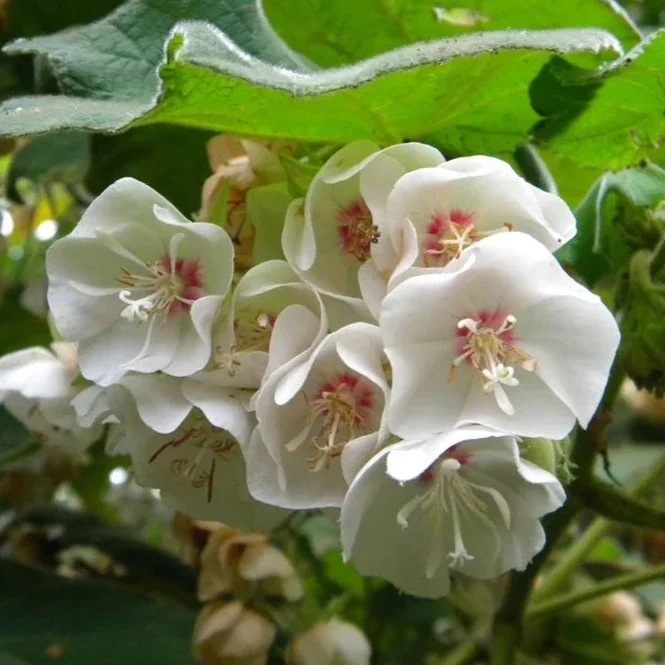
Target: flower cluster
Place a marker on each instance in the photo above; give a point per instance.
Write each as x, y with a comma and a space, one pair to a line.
417, 326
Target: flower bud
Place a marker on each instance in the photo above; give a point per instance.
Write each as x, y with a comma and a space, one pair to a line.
642, 302
239, 165
231, 634
541, 452
191, 536
233, 561
333, 643
619, 609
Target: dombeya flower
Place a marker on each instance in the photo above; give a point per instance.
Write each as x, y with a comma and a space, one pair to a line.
184, 438
268, 307
329, 235
320, 421
460, 501
432, 215
138, 285
36, 388
503, 338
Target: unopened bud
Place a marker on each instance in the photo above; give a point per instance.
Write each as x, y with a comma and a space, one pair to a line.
238, 562
333, 643
231, 634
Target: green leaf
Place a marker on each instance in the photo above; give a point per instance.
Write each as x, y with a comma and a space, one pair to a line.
84, 622
600, 247
345, 31
623, 119
467, 94
147, 566
118, 56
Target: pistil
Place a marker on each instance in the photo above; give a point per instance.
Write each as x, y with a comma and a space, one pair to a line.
341, 409
489, 349
357, 230
444, 499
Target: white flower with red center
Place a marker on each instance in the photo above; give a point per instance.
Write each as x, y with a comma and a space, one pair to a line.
138, 285
328, 236
433, 214
36, 388
463, 501
504, 338
320, 421
269, 301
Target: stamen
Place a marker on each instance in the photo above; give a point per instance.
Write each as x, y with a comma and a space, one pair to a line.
209, 443
446, 496
489, 347
357, 230
168, 285
448, 235
341, 409
252, 333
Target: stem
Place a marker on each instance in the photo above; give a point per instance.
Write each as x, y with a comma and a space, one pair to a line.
596, 531
508, 624
657, 262
627, 581
508, 621
462, 654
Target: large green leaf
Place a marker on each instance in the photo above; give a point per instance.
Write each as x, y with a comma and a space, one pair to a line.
623, 116
467, 94
345, 31
118, 56
78, 622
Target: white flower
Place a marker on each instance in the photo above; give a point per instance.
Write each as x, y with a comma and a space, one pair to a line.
334, 642
36, 388
137, 285
184, 437
320, 421
268, 306
460, 501
503, 338
433, 214
329, 235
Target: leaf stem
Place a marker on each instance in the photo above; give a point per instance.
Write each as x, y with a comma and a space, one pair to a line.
616, 583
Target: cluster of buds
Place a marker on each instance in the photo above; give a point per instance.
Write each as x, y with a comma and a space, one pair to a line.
236, 569
386, 367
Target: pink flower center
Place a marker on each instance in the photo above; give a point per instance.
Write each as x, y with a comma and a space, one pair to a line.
486, 342
449, 234
168, 286
342, 407
454, 453
357, 230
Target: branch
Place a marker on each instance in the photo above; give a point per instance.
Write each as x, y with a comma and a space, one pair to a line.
566, 600
618, 506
